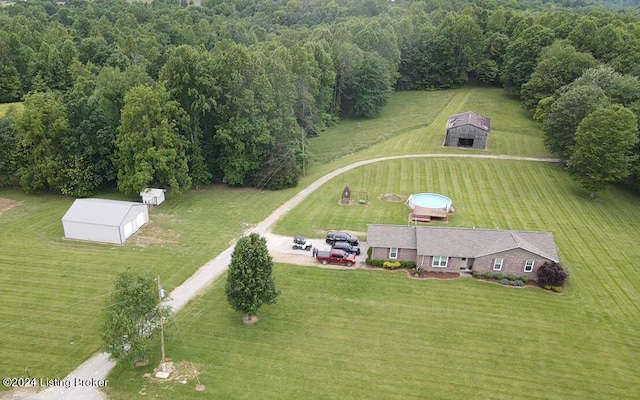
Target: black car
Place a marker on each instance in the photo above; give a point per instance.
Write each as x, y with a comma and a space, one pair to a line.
335, 237
346, 247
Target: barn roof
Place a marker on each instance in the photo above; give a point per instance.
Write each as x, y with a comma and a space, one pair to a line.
99, 211
469, 118
461, 242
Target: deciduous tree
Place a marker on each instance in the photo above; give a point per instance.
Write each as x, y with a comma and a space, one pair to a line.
604, 143
566, 113
559, 65
131, 317
40, 131
150, 148
522, 55
250, 282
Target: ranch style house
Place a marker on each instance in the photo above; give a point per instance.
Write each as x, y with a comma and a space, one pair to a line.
463, 249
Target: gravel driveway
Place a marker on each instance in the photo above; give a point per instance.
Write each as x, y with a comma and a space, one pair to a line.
98, 366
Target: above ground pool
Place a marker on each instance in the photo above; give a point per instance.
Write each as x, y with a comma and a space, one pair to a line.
429, 200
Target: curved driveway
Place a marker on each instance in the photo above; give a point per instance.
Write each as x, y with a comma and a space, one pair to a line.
98, 366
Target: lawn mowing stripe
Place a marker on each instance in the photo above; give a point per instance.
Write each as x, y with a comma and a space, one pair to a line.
428, 346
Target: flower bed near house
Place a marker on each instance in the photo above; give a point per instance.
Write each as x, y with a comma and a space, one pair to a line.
421, 275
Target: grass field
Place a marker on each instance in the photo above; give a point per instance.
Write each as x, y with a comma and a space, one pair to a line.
380, 335
415, 122
369, 334
4, 107
355, 334
53, 289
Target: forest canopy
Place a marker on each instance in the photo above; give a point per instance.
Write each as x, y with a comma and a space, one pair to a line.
174, 94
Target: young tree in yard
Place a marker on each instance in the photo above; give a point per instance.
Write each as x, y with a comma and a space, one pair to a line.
131, 317
603, 150
249, 280
551, 274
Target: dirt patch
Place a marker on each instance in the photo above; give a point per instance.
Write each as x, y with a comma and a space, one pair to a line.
8, 204
250, 319
19, 393
181, 372
165, 217
392, 198
151, 233
303, 259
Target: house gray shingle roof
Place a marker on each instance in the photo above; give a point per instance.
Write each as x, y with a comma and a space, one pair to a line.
391, 236
461, 242
469, 118
99, 211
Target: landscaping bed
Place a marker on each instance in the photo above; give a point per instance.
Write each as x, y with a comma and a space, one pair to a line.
421, 275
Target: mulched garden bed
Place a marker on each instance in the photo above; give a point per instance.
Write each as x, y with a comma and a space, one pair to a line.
423, 274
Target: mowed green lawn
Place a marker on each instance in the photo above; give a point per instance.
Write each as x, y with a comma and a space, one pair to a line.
377, 334
381, 335
598, 240
52, 289
356, 334
415, 122
4, 107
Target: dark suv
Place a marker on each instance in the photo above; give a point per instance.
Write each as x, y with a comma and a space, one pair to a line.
335, 237
346, 247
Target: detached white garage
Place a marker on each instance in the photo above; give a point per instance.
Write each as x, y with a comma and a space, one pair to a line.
100, 220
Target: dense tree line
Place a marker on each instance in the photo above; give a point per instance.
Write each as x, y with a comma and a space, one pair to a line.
175, 95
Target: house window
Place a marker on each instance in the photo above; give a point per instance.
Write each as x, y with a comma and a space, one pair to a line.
528, 266
497, 264
439, 261
393, 253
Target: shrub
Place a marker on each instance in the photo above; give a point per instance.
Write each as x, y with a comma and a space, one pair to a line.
476, 274
511, 277
498, 276
548, 287
391, 265
370, 251
504, 281
551, 274
367, 261
488, 275
519, 283
557, 288
408, 264
523, 278
377, 263
512, 283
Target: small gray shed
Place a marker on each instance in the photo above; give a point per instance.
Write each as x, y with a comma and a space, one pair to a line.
467, 130
101, 220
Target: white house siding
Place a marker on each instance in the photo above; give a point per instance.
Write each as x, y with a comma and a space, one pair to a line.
135, 219
90, 232
106, 221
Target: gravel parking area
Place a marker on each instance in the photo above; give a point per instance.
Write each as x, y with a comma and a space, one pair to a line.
281, 250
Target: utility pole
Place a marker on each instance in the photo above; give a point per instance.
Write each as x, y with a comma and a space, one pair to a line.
160, 296
303, 157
